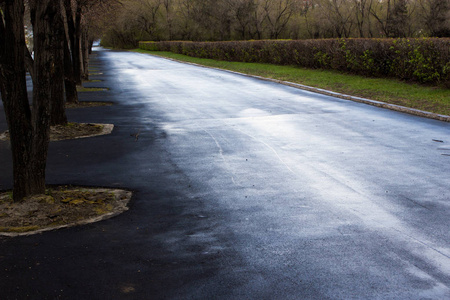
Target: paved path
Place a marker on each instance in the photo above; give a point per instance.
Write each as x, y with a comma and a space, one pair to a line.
244, 189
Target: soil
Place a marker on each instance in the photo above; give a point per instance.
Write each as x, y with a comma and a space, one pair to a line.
82, 104
62, 206
72, 131
78, 130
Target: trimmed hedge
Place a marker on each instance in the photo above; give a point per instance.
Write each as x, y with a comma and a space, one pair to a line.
425, 60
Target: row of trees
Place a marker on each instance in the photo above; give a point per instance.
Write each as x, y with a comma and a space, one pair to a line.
276, 19
62, 35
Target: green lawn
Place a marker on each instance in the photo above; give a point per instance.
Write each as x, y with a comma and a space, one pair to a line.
432, 99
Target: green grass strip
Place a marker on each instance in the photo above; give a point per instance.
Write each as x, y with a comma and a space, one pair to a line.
427, 98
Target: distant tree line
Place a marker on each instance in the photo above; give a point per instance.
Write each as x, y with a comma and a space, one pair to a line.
213, 20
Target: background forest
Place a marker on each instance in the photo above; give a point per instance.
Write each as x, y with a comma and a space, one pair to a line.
213, 20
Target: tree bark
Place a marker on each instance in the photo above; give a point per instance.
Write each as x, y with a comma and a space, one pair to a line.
84, 54
44, 63
74, 36
58, 108
55, 20
76, 50
15, 100
69, 29
69, 81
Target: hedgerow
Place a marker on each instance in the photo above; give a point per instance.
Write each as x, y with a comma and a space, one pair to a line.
425, 60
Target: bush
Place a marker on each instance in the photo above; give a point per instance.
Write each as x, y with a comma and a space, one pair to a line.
149, 46
425, 60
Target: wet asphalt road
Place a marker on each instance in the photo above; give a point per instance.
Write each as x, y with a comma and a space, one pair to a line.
244, 189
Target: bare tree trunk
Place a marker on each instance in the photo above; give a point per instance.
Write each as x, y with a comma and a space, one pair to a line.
69, 81
382, 21
46, 12
29, 131
58, 109
76, 50
84, 54
74, 37
360, 15
14, 95
69, 29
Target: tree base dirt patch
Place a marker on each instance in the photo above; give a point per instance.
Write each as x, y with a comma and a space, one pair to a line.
82, 104
60, 207
79, 130
83, 89
73, 131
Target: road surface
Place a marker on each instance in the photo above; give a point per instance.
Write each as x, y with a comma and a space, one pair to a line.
244, 189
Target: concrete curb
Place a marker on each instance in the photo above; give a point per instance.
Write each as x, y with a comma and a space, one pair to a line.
403, 109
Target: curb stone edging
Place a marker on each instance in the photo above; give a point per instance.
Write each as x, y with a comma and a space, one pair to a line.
399, 108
